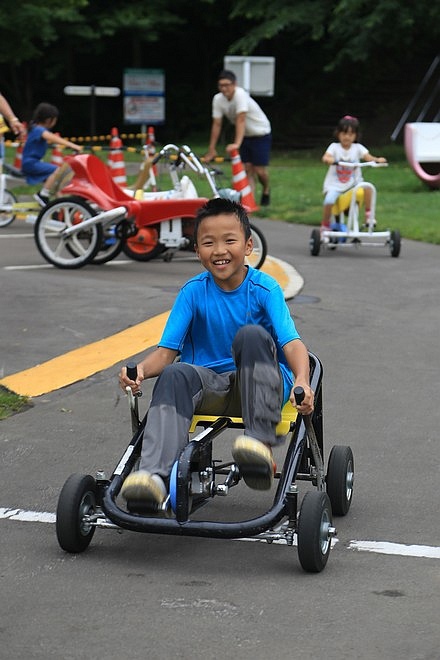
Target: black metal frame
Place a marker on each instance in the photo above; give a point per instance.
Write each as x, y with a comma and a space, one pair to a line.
298, 465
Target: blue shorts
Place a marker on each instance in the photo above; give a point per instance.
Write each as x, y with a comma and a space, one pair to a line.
331, 196
37, 171
256, 150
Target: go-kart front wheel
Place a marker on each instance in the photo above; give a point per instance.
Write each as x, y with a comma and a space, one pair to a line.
77, 500
75, 250
315, 531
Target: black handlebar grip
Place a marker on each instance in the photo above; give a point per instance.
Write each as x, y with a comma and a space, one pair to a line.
299, 394
156, 159
132, 371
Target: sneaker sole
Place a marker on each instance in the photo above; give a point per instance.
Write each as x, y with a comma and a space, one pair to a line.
255, 464
143, 489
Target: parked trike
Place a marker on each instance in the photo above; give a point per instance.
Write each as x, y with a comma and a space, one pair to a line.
87, 503
94, 220
10, 207
345, 229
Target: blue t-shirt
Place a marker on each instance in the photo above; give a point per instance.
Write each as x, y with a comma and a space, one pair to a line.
32, 165
35, 146
205, 319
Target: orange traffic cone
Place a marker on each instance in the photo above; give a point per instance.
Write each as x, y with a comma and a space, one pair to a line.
115, 159
241, 184
151, 138
19, 152
57, 155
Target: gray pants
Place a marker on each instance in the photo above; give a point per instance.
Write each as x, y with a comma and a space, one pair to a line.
254, 392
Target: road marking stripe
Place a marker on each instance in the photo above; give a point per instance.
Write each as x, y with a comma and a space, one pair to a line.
16, 236
379, 547
87, 360
387, 548
27, 516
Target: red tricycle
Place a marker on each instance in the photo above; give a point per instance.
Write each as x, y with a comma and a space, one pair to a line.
94, 219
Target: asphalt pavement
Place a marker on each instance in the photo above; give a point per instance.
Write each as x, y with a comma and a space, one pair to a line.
374, 322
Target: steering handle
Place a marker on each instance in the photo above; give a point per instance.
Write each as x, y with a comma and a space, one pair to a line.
132, 371
299, 395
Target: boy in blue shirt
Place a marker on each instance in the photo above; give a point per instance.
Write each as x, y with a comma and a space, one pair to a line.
239, 354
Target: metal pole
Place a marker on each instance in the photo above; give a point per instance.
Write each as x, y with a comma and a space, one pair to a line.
416, 97
92, 111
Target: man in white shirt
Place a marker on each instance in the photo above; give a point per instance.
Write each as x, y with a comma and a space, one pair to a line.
253, 137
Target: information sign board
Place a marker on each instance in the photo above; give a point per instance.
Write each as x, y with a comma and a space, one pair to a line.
144, 96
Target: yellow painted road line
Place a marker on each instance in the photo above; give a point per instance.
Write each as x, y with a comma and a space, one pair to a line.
87, 360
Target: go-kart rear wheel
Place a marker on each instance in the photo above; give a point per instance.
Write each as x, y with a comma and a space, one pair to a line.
75, 250
314, 531
259, 253
144, 245
340, 478
77, 499
315, 242
6, 217
395, 243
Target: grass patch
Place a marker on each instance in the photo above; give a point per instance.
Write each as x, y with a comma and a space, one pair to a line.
403, 201
11, 403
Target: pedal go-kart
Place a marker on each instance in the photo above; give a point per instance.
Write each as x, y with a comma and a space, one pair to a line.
87, 503
94, 220
345, 230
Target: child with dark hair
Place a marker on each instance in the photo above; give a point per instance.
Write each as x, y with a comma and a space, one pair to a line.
39, 137
239, 355
339, 179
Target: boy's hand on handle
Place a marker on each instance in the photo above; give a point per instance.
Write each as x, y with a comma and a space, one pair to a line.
303, 398
131, 376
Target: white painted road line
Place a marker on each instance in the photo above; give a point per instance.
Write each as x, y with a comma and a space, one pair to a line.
379, 547
386, 548
16, 236
27, 516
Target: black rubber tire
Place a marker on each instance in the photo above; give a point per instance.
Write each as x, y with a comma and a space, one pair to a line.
340, 478
314, 541
75, 251
7, 217
108, 252
77, 498
315, 242
395, 243
259, 253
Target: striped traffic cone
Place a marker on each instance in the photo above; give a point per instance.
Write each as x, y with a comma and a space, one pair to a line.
19, 152
151, 138
241, 184
115, 159
57, 155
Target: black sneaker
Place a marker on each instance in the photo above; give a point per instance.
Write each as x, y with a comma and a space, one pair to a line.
265, 199
43, 200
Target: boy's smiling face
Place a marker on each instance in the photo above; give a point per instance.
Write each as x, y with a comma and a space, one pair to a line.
222, 249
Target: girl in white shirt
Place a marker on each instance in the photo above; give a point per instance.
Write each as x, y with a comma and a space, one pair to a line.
339, 179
